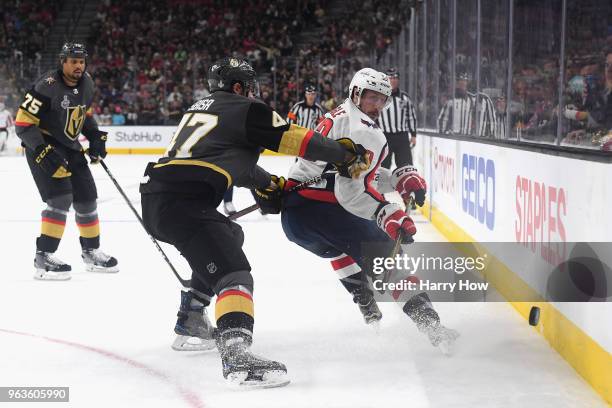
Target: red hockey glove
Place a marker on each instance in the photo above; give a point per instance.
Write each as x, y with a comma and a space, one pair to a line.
406, 180
392, 220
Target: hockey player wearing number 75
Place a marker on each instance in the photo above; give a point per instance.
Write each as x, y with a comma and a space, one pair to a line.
54, 113
336, 216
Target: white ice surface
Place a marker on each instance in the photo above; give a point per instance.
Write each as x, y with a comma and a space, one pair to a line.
108, 337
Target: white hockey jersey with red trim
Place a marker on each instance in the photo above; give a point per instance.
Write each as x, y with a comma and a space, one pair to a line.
361, 196
6, 119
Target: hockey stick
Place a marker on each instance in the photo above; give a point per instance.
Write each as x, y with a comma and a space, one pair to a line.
244, 211
254, 207
394, 251
185, 282
400, 238
398, 245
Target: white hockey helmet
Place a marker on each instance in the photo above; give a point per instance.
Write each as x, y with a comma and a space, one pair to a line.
368, 78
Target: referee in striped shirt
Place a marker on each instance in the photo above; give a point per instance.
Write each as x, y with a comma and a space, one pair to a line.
398, 122
306, 112
458, 115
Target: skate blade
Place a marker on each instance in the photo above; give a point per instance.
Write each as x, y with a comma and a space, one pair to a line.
42, 274
271, 379
101, 269
375, 325
188, 343
447, 346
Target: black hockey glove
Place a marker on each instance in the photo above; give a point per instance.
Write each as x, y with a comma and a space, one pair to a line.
357, 164
51, 162
270, 198
97, 147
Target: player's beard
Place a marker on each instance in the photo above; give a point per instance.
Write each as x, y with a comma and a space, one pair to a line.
74, 77
373, 115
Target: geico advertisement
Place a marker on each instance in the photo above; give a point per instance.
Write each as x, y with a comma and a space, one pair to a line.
513, 195
543, 203
478, 188
138, 136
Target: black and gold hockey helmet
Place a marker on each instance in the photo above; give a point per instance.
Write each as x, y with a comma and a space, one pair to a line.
226, 72
72, 50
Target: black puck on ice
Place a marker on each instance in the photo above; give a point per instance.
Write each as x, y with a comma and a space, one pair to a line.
534, 316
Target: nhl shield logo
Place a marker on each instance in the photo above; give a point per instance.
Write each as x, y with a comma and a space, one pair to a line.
75, 117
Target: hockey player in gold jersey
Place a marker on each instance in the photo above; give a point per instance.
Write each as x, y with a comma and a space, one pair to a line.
54, 113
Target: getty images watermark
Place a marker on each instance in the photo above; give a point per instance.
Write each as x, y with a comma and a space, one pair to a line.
491, 271
412, 266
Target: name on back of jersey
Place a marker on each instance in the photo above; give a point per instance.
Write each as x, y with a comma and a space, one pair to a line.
202, 104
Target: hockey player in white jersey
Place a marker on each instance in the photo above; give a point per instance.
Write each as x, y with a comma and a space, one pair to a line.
6, 121
335, 216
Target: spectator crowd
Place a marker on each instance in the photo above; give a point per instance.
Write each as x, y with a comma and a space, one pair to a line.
24, 25
149, 59
577, 111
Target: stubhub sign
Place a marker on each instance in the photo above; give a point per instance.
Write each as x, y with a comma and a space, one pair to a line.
145, 138
478, 189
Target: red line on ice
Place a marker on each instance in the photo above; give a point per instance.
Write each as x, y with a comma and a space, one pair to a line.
188, 396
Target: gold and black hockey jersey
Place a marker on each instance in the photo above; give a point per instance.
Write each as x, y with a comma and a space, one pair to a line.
218, 142
53, 112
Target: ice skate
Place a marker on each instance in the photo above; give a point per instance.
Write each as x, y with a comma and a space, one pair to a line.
97, 261
193, 328
421, 311
368, 307
243, 369
228, 208
442, 337
50, 268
